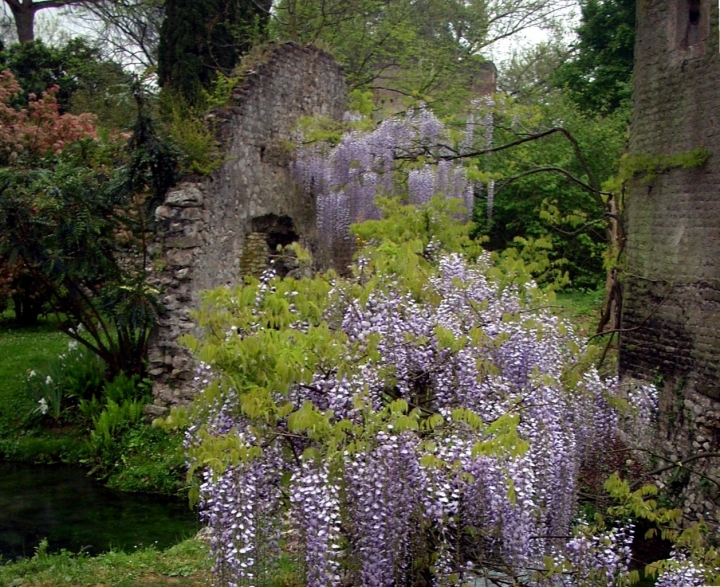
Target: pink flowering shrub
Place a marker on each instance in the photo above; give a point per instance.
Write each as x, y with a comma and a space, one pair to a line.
38, 130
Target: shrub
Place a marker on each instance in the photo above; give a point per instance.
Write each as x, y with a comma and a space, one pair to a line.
114, 419
123, 388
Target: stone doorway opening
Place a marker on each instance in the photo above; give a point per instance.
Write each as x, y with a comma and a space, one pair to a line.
268, 233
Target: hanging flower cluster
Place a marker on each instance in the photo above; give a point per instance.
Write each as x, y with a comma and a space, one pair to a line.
347, 178
403, 437
681, 572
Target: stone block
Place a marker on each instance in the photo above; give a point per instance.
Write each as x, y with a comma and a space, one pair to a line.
179, 258
183, 242
156, 411
185, 196
164, 213
183, 273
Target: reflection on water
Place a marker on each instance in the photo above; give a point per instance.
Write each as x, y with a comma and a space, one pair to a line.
61, 504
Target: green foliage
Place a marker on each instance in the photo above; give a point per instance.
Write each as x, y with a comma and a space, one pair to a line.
599, 79
72, 376
45, 446
147, 459
49, 395
646, 167
548, 206
114, 419
152, 162
20, 437
77, 221
200, 40
75, 66
137, 458
427, 50
643, 506
185, 565
416, 227
190, 131
123, 388
129, 454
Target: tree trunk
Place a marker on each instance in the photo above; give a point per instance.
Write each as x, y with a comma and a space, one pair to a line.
25, 22
27, 310
610, 319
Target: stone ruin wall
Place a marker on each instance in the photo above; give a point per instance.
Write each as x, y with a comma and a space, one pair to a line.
217, 229
671, 315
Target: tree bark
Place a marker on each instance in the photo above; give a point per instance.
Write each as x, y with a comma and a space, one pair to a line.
24, 15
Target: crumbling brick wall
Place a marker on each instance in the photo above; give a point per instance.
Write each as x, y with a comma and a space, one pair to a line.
671, 315
217, 229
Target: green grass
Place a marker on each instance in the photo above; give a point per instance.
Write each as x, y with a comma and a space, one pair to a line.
582, 309
142, 458
184, 565
20, 438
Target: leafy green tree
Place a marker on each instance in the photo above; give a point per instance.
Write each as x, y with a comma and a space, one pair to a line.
37, 67
411, 50
529, 74
198, 40
86, 81
599, 79
536, 192
81, 225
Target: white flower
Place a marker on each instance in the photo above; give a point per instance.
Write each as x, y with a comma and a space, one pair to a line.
43, 406
72, 345
32, 374
48, 380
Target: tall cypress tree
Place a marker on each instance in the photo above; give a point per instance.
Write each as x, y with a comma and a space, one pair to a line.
200, 38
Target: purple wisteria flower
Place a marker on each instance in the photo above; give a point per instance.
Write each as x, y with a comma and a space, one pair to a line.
681, 572
346, 179
478, 474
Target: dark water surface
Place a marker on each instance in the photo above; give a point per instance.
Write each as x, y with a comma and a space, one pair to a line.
61, 504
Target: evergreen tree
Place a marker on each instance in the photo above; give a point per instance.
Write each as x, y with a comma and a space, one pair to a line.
599, 79
200, 39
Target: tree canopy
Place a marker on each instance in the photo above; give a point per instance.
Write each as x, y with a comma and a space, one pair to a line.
198, 40
599, 78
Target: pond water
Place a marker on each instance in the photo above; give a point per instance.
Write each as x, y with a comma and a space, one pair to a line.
73, 512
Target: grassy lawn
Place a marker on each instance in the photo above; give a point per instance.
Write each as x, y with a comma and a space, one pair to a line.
20, 351
183, 565
582, 309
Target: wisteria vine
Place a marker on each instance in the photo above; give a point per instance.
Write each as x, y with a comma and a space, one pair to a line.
399, 438
346, 178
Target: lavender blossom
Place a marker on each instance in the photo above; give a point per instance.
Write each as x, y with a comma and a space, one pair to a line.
346, 179
389, 497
